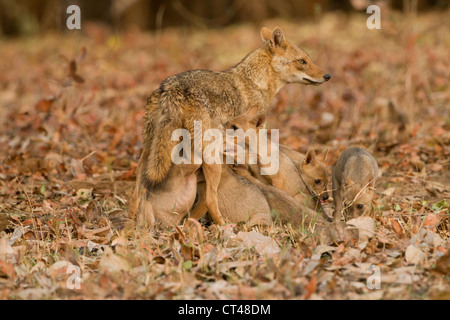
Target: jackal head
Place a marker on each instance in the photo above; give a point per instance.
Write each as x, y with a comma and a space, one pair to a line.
291, 64
358, 197
314, 174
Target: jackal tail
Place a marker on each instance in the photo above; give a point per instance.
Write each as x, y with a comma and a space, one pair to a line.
165, 120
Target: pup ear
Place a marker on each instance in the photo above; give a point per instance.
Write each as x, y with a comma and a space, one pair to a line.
253, 111
260, 121
369, 181
266, 35
324, 155
310, 158
278, 38
347, 181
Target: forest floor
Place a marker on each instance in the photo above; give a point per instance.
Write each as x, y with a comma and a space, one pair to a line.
72, 108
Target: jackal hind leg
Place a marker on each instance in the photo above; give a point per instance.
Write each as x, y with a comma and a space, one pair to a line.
141, 209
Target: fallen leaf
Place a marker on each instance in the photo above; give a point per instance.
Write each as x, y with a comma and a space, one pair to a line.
311, 287
397, 227
443, 264
59, 267
414, 255
113, 263
7, 253
365, 225
432, 220
7, 269
263, 245
388, 192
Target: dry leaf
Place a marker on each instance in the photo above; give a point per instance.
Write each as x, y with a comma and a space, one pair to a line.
263, 245
113, 263
365, 225
414, 255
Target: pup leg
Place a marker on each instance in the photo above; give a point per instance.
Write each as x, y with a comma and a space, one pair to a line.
260, 219
337, 198
200, 208
213, 173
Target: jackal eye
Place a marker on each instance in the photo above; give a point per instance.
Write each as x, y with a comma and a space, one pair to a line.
302, 61
317, 181
360, 206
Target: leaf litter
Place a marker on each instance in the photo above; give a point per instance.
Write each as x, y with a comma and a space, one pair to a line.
71, 131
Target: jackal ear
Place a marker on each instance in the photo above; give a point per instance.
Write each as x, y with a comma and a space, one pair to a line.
310, 158
278, 38
253, 111
347, 181
260, 121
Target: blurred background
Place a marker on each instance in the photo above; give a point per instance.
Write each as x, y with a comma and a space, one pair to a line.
19, 17
388, 86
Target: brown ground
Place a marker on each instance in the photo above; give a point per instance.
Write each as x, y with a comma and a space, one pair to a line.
71, 140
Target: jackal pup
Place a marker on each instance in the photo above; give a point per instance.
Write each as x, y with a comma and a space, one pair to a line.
354, 179
313, 171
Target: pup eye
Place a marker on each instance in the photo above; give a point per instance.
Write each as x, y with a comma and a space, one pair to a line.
317, 181
360, 206
302, 61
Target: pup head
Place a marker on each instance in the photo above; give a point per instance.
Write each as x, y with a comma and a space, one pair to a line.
242, 131
358, 197
315, 174
291, 64
248, 120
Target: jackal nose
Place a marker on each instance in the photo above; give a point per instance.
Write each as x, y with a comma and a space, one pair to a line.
327, 77
325, 197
